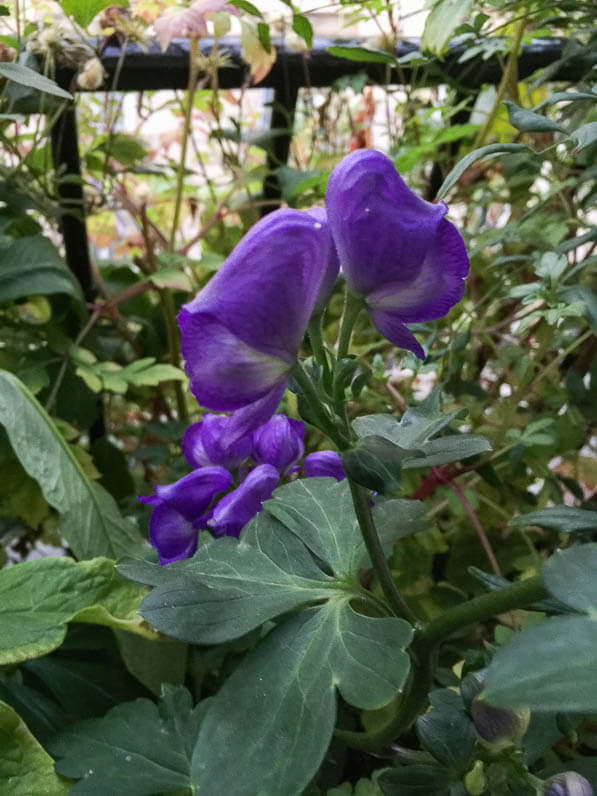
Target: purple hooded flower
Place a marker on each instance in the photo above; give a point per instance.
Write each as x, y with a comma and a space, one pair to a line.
207, 443
180, 509
324, 463
396, 251
331, 267
279, 442
567, 784
236, 508
241, 334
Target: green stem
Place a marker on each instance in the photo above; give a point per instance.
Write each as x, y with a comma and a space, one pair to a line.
173, 340
353, 304
318, 347
360, 501
424, 651
507, 77
193, 73
321, 414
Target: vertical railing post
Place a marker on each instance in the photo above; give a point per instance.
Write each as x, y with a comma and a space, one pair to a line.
283, 108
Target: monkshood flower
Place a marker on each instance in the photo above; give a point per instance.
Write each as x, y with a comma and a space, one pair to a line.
396, 251
279, 442
206, 443
332, 267
567, 784
324, 463
180, 509
499, 728
235, 509
241, 334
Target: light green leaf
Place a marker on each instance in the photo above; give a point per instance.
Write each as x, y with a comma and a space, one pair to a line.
287, 686
302, 27
32, 79
31, 265
136, 748
89, 518
483, 153
244, 5
84, 11
530, 122
25, 767
444, 18
153, 661
584, 136
565, 519
364, 54
549, 667
38, 598
570, 576
171, 278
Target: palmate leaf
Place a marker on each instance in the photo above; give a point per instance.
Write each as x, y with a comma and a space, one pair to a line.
38, 598
269, 726
89, 517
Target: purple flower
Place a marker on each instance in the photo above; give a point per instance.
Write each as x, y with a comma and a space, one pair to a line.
208, 443
396, 251
179, 510
331, 267
279, 442
324, 463
236, 508
567, 784
241, 334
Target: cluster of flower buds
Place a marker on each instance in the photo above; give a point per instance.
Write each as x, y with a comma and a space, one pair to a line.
252, 465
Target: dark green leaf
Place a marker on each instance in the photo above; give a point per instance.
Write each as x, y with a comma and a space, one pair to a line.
529, 121
84, 11
446, 731
376, 463
566, 519
38, 598
90, 521
483, 153
136, 748
264, 36
584, 136
364, 54
31, 265
549, 667
415, 780
570, 576
287, 686
302, 27
32, 79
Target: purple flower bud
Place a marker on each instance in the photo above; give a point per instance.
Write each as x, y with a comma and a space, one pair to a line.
179, 510
332, 266
241, 334
324, 463
208, 443
568, 783
236, 508
396, 251
499, 728
279, 442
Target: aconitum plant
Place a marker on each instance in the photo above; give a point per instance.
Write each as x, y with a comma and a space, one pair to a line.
283, 562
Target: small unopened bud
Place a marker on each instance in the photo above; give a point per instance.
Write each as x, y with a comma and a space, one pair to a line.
92, 75
499, 728
475, 780
567, 784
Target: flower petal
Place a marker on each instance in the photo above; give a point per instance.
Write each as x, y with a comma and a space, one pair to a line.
279, 442
332, 266
235, 510
324, 463
253, 415
393, 329
438, 286
382, 230
171, 534
207, 443
191, 495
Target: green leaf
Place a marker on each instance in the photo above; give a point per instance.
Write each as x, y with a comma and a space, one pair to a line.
264, 36
153, 661
84, 11
565, 519
570, 576
549, 667
32, 79
124, 148
90, 521
38, 598
376, 463
415, 780
25, 767
529, 121
172, 278
444, 18
584, 136
364, 54
137, 747
287, 686
303, 28
483, 153
244, 5
31, 265
446, 731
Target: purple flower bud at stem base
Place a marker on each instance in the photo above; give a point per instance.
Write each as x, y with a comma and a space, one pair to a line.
235, 509
569, 783
210, 442
499, 728
279, 442
324, 463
